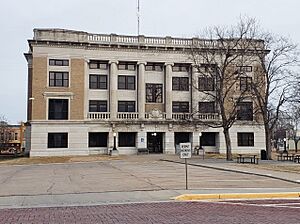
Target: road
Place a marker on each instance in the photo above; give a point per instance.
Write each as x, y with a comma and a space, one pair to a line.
246, 212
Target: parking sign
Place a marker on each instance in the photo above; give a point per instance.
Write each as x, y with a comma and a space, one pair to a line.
185, 150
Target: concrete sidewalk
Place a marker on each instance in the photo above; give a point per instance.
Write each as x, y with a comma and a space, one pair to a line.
123, 197
252, 169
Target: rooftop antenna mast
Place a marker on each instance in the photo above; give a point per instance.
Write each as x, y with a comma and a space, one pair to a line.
138, 17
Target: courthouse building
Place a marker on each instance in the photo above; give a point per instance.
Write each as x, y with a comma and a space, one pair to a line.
86, 89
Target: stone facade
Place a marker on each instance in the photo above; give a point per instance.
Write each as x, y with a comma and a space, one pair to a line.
133, 98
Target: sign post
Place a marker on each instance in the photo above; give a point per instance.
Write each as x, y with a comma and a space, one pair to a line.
185, 153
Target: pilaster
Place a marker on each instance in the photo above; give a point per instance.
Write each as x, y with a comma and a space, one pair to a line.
169, 143
113, 87
141, 140
141, 90
195, 139
168, 84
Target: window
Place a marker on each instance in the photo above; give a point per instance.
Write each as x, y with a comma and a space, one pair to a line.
94, 64
126, 82
208, 68
16, 136
126, 66
244, 68
59, 62
58, 109
154, 67
59, 79
97, 106
98, 139
126, 106
207, 107
180, 68
180, 83
126, 139
154, 93
245, 139
245, 111
57, 140
98, 82
208, 139
180, 107
206, 84
245, 83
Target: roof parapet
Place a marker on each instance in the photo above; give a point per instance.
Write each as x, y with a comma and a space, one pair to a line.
64, 35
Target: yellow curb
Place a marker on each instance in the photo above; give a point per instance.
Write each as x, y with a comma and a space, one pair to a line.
191, 197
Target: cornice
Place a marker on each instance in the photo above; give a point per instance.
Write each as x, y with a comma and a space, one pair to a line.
129, 48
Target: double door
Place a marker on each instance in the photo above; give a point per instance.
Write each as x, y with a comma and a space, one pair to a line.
155, 142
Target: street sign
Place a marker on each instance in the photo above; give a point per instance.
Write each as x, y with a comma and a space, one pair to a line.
185, 153
185, 150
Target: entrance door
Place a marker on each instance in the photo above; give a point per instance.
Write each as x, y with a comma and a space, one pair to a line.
155, 142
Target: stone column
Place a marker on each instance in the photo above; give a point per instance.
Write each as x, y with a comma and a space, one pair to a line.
168, 86
169, 142
141, 90
113, 86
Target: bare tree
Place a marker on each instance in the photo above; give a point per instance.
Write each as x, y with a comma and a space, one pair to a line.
273, 59
222, 57
294, 122
280, 130
275, 75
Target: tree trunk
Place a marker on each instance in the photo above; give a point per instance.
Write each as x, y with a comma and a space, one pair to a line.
296, 146
268, 142
228, 144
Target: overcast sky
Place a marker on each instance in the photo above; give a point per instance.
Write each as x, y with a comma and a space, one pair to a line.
180, 18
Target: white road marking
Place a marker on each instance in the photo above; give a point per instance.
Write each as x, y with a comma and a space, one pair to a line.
279, 205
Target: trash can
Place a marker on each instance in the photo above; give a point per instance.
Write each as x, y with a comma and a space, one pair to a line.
263, 154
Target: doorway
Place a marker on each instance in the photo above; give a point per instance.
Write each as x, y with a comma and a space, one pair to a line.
181, 137
155, 142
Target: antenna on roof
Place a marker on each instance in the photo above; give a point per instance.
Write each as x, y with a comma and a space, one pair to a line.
138, 17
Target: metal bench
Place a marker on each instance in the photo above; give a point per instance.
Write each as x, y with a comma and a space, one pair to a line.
247, 159
297, 158
285, 157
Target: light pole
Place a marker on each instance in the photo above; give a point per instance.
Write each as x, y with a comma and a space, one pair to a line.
284, 145
115, 141
114, 151
200, 147
155, 142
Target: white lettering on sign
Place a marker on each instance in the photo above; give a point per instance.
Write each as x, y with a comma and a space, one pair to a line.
185, 150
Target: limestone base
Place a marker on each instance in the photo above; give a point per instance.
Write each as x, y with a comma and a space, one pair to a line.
114, 152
